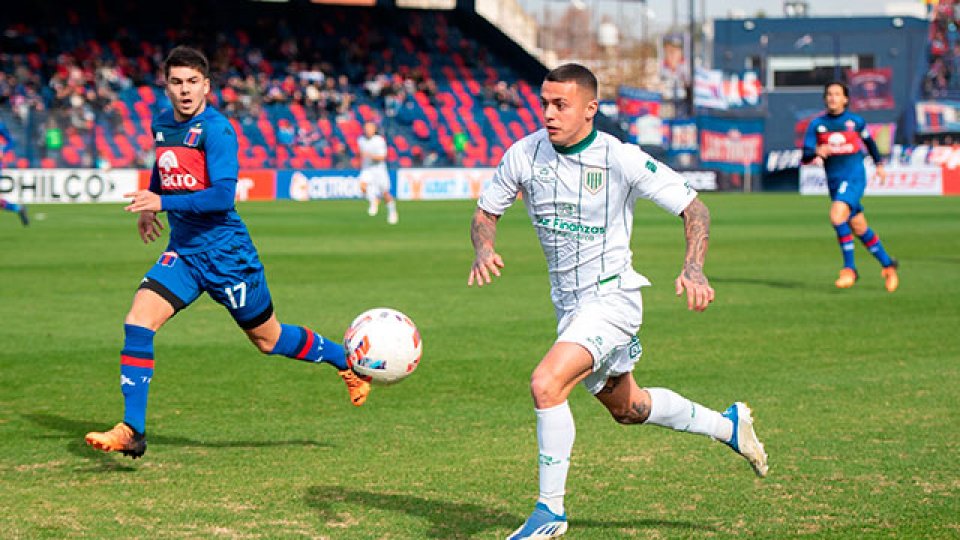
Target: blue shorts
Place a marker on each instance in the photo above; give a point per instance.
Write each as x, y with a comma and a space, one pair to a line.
850, 193
231, 274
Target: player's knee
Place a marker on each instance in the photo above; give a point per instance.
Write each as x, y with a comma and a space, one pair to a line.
545, 390
145, 320
263, 343
628, 415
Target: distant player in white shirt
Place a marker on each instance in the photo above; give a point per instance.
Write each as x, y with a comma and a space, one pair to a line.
374, 177
579, 187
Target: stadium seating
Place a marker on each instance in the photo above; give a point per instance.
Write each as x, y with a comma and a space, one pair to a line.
274, 129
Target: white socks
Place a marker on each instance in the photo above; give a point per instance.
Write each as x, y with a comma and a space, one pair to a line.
670, 409
555, 435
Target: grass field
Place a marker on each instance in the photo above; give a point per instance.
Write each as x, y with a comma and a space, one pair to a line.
855, 392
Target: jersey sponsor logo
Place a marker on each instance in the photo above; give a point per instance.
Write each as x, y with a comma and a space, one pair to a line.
594, 179
159, 136
651, 166
840, 142
571, 229
567, 209
543, 174
192, 138
174, 174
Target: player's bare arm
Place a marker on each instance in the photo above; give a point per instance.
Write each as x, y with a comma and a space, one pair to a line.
483, 233
143, 200
696, 222
149, 226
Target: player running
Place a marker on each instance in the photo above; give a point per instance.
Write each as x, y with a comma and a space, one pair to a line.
836, 139
194, 181
5, 205
580, 186
374, 176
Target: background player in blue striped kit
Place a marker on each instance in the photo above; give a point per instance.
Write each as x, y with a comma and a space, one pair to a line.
6, 142
194, 181
837, 138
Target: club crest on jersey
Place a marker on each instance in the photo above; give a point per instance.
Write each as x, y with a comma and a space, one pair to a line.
193, 136
850, 125
168, 259
594, 178
159, 136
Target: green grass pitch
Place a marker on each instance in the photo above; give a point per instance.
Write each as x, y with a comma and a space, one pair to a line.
855, 392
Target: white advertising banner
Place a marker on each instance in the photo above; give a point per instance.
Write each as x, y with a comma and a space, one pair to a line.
67, 185
900, 180
436, 184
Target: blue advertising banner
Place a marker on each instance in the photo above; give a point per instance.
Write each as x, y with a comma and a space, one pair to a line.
731, 145
313, 184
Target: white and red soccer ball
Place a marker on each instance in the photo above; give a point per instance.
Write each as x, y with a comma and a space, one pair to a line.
383, 346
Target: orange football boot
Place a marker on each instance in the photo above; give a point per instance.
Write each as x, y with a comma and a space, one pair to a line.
357, 387
122, 438
848, 276
890, 278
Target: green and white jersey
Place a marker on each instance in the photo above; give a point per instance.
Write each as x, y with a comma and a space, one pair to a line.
580, 200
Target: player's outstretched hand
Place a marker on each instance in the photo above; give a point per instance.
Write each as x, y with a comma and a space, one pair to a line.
699, 291
143, 200
149, 226
483, 267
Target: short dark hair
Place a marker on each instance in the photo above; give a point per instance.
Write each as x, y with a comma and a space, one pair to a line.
183, 56
841, 84
574, 73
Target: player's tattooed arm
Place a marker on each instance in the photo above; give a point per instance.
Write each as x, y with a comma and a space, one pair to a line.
696, 224
483, 233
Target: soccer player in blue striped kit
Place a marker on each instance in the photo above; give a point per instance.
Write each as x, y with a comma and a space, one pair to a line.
837, 139
194, 181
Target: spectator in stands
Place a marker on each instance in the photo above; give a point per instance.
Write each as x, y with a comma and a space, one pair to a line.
286, 134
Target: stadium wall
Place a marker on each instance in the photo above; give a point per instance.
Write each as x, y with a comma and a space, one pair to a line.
407, 184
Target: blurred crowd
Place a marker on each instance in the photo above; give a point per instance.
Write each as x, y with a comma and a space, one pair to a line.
57, 98
942, 78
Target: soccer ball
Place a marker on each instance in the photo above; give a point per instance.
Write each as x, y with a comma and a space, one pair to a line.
383, 346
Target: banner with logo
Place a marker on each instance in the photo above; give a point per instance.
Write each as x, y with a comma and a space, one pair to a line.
708, 89
437, 184
731, 145
640, 110
257, 185
871, 89
899, 180
714, 89
67, 185
308, 185
938, 116
674, 69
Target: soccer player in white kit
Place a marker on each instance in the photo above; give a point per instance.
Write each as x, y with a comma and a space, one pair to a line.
373, 173
579, 187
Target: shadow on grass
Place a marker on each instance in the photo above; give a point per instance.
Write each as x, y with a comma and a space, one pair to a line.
662, 525
59, 427
457, 520
772, 283
447, 519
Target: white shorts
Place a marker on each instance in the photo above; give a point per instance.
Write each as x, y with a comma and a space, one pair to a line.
376, 180
605, 322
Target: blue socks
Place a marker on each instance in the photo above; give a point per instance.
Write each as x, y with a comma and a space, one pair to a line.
136, 371
304, 344
872, 242
845, 238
